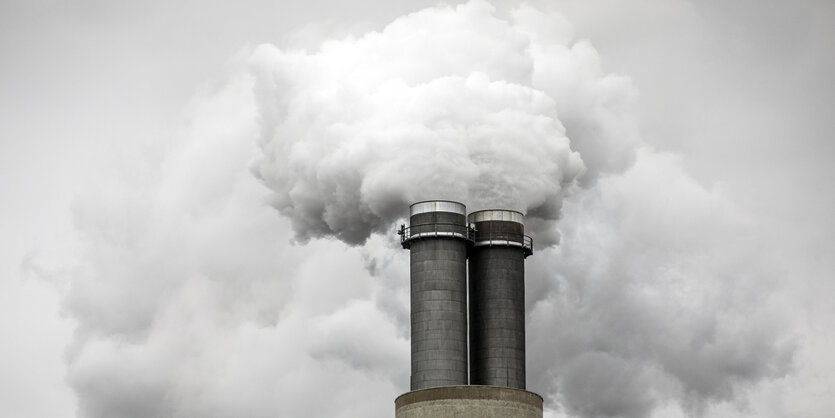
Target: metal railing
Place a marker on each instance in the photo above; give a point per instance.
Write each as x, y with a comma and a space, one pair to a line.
450, 230
433, 230
505, 239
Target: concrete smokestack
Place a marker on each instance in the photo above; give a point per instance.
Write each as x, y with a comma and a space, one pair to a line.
497, 298
438, 239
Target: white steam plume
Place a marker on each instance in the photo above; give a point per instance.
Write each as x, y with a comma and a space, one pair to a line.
192, 302
446, 103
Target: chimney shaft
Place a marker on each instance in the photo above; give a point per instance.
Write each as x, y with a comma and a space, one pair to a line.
438, 238
497, 298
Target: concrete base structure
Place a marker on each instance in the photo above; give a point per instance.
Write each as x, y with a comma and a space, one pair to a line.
468, 402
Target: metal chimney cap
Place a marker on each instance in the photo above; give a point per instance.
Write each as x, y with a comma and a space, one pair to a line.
496, 215
437, 206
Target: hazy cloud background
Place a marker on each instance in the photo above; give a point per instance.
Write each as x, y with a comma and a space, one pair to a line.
198, 200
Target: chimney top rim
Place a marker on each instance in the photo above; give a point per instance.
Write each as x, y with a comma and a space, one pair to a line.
497, 215
437, 205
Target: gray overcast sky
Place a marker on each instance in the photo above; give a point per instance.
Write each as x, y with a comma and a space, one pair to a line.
144, 273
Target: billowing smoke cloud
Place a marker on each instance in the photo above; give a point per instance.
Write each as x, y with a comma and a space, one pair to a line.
652, 297
190, 300
446, 103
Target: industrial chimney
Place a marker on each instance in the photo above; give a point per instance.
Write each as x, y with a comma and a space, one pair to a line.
437, 239
445, 382
497, 298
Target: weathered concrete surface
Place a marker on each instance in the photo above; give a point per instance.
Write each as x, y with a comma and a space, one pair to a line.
439, 312
469, 402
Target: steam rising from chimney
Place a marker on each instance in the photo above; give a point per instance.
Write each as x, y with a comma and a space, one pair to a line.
190, 302
444, 104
